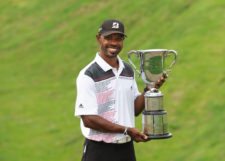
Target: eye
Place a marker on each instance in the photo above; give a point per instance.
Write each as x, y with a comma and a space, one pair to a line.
116, 37
119, 38
109, 37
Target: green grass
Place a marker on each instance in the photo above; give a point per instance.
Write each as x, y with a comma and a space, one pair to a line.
44, 44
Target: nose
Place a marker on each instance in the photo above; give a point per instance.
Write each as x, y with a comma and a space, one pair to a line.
113, 41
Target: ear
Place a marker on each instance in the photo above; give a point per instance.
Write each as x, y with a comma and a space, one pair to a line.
98, 37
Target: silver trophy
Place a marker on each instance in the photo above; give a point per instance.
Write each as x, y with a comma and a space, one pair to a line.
154, 65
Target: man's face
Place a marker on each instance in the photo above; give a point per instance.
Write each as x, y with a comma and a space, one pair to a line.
110, 45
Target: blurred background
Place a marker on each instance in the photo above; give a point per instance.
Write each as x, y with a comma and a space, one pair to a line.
44, 44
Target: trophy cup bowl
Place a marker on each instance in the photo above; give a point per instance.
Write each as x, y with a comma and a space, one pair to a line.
153, 66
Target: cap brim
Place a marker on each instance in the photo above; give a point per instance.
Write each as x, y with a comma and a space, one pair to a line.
112, 32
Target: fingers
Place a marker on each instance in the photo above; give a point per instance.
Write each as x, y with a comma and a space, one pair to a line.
141, 138
144, 138
137, 136
160, 82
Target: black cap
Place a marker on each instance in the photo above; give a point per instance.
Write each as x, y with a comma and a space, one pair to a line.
109, 27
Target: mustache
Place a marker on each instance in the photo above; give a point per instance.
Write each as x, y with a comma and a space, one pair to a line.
113, 46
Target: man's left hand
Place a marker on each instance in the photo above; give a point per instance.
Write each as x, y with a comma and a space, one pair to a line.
161, 81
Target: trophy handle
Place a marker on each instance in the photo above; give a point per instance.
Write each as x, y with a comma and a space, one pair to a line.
174, 53
138, 54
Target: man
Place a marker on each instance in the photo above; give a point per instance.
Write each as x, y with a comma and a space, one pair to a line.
108, 100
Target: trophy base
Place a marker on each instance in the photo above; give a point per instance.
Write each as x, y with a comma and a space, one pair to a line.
161, 136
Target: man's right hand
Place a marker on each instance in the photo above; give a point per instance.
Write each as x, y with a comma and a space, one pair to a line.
136, 135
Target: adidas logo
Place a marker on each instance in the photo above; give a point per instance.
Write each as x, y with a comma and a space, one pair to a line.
81, 106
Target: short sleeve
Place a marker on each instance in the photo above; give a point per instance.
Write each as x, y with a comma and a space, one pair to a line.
86, 103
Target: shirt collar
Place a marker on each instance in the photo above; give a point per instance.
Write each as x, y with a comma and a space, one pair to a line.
105, 66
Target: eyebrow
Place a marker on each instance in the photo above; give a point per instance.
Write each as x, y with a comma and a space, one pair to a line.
117, 35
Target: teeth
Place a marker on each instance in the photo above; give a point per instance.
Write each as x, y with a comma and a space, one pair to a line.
112, 49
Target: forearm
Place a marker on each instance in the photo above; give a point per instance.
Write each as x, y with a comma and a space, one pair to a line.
103, 125
98, 123
139, 104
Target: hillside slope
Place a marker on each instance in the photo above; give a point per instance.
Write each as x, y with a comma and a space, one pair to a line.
44, 44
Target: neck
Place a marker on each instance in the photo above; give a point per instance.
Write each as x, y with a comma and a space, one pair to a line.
112, 61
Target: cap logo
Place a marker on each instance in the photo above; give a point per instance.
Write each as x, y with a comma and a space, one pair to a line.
115, 25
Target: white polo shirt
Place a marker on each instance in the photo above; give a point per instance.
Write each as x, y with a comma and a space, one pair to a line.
107, 92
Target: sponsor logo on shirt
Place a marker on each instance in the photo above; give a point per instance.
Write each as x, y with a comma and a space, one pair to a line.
81, 106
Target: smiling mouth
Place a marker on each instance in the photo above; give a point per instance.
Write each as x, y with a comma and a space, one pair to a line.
112, 50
